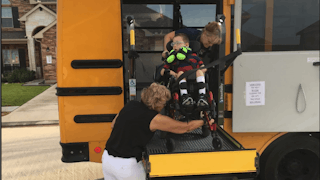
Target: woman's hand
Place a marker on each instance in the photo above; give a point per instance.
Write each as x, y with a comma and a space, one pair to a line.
211, 122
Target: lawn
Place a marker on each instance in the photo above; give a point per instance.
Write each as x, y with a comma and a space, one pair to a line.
14, 94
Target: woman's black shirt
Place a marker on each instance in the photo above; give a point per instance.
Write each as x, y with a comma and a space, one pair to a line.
131, 131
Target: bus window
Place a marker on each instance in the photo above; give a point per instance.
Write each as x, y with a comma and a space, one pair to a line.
152, 23
146, 39
198, 15
268, 25
149, 15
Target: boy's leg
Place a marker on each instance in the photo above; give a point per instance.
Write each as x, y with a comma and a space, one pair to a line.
202, 100
183, 89
186, 99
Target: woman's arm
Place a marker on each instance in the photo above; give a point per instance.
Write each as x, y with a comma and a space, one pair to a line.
165, 123
168, 37
114, 121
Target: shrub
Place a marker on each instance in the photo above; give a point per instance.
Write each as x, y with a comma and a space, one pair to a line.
32, 75
4, 77
19, 75
13, 76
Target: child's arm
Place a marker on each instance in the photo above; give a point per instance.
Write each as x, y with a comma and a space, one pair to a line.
162, 71
171, 72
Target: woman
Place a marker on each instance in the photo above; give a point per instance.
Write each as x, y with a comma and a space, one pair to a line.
210, 35
133, 128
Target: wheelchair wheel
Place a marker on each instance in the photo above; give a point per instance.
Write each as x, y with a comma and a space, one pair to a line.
205, 131
216, 143
170, 144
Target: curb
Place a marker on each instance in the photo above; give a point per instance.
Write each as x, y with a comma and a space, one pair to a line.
9, 108
30, 123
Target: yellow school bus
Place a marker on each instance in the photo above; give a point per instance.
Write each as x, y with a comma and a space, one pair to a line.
267, 98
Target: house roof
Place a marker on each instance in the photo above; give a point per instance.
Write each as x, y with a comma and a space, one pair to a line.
24, 17
40, 33
13, 35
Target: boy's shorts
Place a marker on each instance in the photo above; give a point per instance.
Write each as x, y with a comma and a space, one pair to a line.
184, 68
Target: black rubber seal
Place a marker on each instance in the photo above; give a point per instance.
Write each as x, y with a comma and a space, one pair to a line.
94, 64
88, 91
227, 114
228, 88
75, 152
96, 118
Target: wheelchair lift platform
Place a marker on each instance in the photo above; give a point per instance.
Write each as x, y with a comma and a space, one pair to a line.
194, 155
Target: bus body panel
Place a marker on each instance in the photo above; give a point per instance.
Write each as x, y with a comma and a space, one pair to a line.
277, 76
90, 32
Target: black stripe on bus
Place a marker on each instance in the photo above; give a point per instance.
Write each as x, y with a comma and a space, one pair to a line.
93, 64
97, 118
88, 91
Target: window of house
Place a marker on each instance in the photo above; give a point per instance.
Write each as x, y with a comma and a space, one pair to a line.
10, 57
6, 17
5, 1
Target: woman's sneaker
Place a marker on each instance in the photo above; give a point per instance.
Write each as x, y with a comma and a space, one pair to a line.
186, 101
202, 102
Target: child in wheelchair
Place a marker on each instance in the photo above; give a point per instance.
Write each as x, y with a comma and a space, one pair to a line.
180, 60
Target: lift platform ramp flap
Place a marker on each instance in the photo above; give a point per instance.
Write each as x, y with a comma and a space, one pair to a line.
194, 155
276, 92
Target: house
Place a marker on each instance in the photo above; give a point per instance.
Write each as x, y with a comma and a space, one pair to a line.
29, 37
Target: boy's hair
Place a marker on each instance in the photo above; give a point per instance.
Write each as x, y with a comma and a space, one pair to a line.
184, 37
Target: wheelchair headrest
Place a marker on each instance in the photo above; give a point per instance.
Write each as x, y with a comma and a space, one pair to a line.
194, 45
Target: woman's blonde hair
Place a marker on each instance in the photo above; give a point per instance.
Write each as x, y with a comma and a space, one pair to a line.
155, 96
213, 29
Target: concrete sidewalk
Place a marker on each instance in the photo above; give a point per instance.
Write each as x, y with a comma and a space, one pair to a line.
41, 110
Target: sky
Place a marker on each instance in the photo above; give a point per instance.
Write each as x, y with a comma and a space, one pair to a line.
192, 15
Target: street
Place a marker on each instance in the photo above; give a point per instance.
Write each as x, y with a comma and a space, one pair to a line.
34, 153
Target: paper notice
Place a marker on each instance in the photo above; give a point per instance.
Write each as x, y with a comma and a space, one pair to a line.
255, 93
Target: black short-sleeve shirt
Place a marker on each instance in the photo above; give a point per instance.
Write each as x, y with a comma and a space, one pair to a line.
131, 131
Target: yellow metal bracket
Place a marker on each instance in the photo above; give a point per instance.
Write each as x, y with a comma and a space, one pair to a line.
231, 2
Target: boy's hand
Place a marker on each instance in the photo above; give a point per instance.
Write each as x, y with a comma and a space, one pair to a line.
173, 73
165, 54
204, 70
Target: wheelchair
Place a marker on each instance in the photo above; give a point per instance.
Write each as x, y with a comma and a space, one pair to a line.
175, 110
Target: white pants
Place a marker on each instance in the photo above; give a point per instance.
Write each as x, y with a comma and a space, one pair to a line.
117, 168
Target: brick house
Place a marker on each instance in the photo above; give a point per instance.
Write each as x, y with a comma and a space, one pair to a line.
29, 37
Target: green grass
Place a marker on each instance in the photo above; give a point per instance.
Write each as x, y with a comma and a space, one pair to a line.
14, 94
